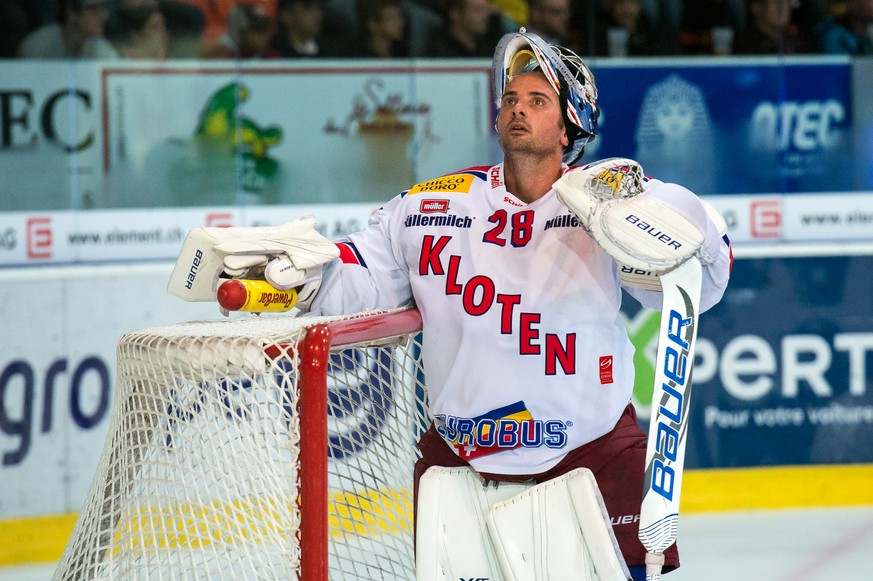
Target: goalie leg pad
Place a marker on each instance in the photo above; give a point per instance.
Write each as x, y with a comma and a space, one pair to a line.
452, 540
557, 530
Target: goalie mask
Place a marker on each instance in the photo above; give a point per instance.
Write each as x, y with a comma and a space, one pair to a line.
524, 52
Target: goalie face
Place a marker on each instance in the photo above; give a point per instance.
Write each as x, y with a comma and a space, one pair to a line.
568, 76
529, 119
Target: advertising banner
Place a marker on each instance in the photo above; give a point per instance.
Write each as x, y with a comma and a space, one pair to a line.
100, 236
784, 365
782, 375
287, 134
731, 126
88, 135
57, 374
801, 218
50, 117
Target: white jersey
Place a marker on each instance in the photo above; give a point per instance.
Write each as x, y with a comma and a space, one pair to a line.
525, 353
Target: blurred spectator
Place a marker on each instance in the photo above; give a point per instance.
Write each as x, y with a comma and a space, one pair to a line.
299, 30
513, 10
383, 30
664, 16
623, 28
216, 13
848, 31
140, 32
466, 31
806, 16
18, 18
700, 17
13, 27
183, 22
550, 19
248, 33
423, 21
186, 25
769, 30
77, 33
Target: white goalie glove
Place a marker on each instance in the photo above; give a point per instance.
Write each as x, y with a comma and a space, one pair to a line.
647, 232
288, 256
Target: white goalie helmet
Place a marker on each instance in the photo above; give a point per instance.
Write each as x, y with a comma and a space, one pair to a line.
523, 52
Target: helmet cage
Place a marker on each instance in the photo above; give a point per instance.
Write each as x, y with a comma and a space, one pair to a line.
522, 52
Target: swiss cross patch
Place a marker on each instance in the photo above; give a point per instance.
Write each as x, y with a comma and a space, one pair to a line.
606, 369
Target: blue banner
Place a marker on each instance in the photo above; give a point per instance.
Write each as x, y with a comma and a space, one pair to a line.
757, 126
784, 365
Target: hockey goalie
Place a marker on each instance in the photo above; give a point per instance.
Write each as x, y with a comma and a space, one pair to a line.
535, 466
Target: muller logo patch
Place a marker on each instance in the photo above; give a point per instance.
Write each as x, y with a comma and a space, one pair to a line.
606, 369
434, 206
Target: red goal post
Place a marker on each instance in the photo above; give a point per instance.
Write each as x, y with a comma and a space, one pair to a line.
258, 447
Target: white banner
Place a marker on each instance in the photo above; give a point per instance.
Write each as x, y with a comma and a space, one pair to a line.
133, 235
796, 218
57, 373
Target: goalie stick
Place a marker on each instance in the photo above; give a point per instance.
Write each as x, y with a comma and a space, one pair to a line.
668, 427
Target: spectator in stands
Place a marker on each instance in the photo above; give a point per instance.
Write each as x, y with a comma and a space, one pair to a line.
550, 19
248, 33
77, 33
18, 18
383, 30
643, 38
699, 17
466, 31
13, 27
423, 20
183, 22
514, 11
849, 31
141, 32
769, 30
806, 16
299, 30
217, 12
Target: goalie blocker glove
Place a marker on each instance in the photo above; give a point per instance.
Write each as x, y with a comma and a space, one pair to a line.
647, 227
288, 256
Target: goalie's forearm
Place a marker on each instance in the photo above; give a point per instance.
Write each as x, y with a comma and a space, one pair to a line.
349, 286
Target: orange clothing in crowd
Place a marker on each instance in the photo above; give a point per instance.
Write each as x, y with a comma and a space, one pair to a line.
215, 14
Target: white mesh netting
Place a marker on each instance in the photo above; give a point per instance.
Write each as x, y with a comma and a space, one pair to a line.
199, 478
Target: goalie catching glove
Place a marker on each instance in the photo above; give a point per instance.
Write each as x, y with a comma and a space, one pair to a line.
649, 229
288, 256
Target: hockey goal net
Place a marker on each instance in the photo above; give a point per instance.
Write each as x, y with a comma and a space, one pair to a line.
258, 448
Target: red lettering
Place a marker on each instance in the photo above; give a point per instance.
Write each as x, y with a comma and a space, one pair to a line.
556, 353
507, 304
452, 286
495, 235
470, 304
528, 335
39, 238
219, 219
430, 255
